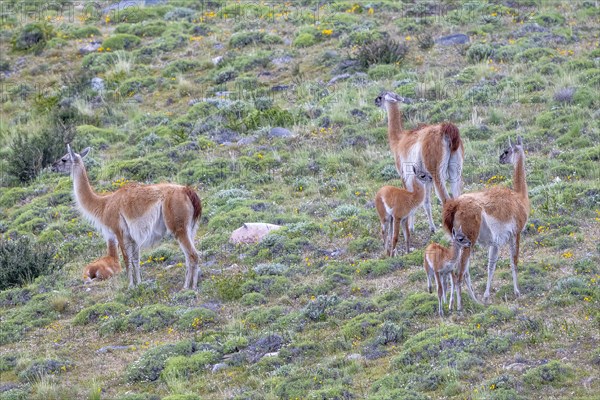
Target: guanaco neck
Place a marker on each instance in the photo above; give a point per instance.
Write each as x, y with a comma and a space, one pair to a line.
394, 121
454, 253
418, 193
88, 200
519, 181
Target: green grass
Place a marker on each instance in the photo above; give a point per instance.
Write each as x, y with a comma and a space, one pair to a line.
314, 310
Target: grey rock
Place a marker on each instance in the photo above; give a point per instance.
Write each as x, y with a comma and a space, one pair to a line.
91, 47
246, 140
110, 349
449, 40
338, 78
280, 132
280, 88
97, 84
8, 386
219, 367
280, 61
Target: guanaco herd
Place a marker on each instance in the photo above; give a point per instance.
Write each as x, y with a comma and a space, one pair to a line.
137, 216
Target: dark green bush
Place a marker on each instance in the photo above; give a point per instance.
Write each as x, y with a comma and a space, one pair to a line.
40, 368
196, 318
99, 311
243, 39
33, 37
30, 153
21, 261
479, 52
121, 41
554, 373
151, 364
387, 51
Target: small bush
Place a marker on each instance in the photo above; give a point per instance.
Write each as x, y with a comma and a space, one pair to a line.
243, 39
22, 261
152, 317
121, 41
315, 310
99, 311
270, 269
40, 368
182, 367
253, 299
386, 51
30, 153
179, 13
196, 318
304, 40
181, 397
554, 373
479, 52
151, 364
33, 37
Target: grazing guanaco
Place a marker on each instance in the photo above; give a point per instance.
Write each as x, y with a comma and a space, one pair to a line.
137, 216
439, 263
395, 206
104, 267
491, 218
438, 147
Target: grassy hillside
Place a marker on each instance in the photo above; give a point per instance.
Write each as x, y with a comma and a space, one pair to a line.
189, 93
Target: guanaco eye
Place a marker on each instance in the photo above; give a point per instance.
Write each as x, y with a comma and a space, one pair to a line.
64, 160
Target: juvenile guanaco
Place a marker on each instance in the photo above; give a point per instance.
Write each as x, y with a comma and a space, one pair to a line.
439, 263
395, 206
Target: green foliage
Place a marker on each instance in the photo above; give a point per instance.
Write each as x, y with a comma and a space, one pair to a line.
97, 312
32, 37
554, 373
144, 29
152, 317
14, 394
361, 326
420, 304
264, 316
385, 71
493, 316
305, 39
316, 309
31, 152
386, 51
151, 364
21, 261
86, 32
196, 319
121, 41
479, 52
243, 39
183, 367
40, 368
181, 397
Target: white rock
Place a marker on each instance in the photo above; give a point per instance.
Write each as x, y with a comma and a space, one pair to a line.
252, 232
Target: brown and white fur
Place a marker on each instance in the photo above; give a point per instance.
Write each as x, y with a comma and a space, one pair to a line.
438, 147
395, 206
491, 218
104, 267
137, 216
439, 263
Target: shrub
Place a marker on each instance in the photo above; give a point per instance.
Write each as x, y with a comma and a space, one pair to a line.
253, 299
183, 367
554, 373
98, 311
196, 318
22, 261
33, 37
40, 368
304, 40
243, 39
151, 364
270, 269
419, 304
262, 317
315, 310
387, 51
479, 52
377, 72
86, 32
152, 317
30, 153
179, 13
121, 41
181, 397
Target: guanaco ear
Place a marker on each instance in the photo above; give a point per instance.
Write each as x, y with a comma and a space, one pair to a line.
70, 152
85, 152
519, 140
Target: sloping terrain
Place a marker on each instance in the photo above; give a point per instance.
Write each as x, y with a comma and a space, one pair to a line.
190, 92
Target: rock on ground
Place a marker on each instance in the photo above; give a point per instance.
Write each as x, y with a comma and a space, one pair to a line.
252, 232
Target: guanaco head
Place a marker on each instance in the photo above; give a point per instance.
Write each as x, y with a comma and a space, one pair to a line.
421, 174
460, 238
508, 155
389, 97
66, 162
